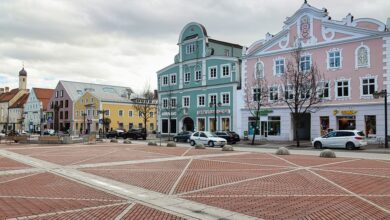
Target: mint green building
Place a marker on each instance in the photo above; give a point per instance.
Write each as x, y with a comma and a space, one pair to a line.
199, 91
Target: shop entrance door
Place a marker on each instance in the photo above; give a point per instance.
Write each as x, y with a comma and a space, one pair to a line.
264, 128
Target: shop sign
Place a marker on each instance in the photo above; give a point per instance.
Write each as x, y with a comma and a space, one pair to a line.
344, 112
167, 113
207, 112
265, 112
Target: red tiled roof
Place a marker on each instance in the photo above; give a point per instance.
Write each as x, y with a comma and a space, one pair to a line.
44, 96
7, 96
20, 102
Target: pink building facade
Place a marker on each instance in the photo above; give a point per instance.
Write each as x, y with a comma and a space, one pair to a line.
352, 54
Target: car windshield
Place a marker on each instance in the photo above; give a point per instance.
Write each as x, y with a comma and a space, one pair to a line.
360, 133
210, 134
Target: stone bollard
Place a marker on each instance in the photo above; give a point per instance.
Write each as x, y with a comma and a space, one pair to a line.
328, 154
282, 151
171, 144
227, 148
152, 143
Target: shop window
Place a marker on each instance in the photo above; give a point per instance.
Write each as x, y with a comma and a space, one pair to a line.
252, 128
324, 124
274, 125
346, 122
370, 123
173, 125
212, 125
225, 124
164, 126
201, 124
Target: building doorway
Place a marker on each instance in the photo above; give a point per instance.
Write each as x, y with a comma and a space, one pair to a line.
324, 125
188, 124
264, 128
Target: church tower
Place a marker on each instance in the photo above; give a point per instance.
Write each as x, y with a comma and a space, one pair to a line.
22, 79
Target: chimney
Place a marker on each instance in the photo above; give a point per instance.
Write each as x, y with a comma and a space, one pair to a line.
6, 89
1, 90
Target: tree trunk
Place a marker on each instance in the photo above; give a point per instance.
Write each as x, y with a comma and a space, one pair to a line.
296, 123
256, 125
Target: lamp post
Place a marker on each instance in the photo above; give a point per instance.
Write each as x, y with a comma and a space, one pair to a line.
214, 104
103, 112
84, 114
383, 94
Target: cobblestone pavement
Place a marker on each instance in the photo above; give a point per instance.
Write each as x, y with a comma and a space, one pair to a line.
122, 181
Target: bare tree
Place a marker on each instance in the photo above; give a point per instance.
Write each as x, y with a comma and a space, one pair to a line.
256, 96
145, 105
300, 85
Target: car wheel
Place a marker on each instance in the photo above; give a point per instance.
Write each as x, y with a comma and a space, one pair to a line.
317, 145
175, 139
192, 143
211, 144
188, 140
350, 146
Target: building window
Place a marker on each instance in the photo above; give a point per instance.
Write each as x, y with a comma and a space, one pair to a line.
61, 115
370, 123
201, 124
187, 77
120, 113
279, 67
201, 101
305, 63
198, 75
139, 125
151, 114
186, 101
165, 103
323, 90
334, 59
61, 104
225, 70
131, 125
225, 124
151, 126
140, 114
362, 57
165, 80
66, 114
62, 93
273, 93
346, 122
57, 94
259, 70
173, 102
130, 113
227, 52
173, 79
288, 92
225, 98
213, 72
66, 103
213, 99
368, 86
342, 88
274, 125
190, 48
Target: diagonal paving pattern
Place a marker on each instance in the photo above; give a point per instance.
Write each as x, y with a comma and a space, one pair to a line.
181, 182
178, 206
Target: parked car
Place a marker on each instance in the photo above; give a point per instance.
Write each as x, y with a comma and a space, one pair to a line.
182, 136
349, 139
207, 138
235, 136
115, 134
226, 135
136, 133
48, 132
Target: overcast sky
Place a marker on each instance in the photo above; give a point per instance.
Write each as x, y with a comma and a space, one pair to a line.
124, 42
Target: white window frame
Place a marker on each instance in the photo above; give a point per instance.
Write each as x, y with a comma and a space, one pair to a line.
170, 78
368, 77
190, 48
205, 123
189, 101
221, 98
175, 105
269, 93
196, 75
130, 113
321, 89
289, 91
230, 122
186, 80
278, 59
310, 62
119, 115
255, 70
163, 81
229, 70
216, 72
336, 88
197, 100
357, 58
216, 123
216, 97
334, 50
165, 100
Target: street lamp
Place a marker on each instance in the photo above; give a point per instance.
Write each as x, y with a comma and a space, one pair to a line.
103, 112
214, 104
383, 94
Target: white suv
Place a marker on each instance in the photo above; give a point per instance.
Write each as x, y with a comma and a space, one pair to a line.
207, 138
349, 139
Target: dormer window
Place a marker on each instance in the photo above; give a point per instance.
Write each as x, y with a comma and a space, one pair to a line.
190, 48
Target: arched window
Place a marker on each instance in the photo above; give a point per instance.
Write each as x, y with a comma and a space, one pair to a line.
362, 56
259, 70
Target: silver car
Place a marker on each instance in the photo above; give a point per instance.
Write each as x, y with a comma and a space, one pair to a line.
207, 138
349, 139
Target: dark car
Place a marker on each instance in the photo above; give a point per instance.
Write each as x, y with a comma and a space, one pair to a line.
226, 135
236, 137
183, 136
136, 133
115, 134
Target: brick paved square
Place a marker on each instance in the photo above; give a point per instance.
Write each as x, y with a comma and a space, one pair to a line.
8, 164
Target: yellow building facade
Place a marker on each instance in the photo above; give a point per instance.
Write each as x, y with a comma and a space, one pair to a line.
122, 113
